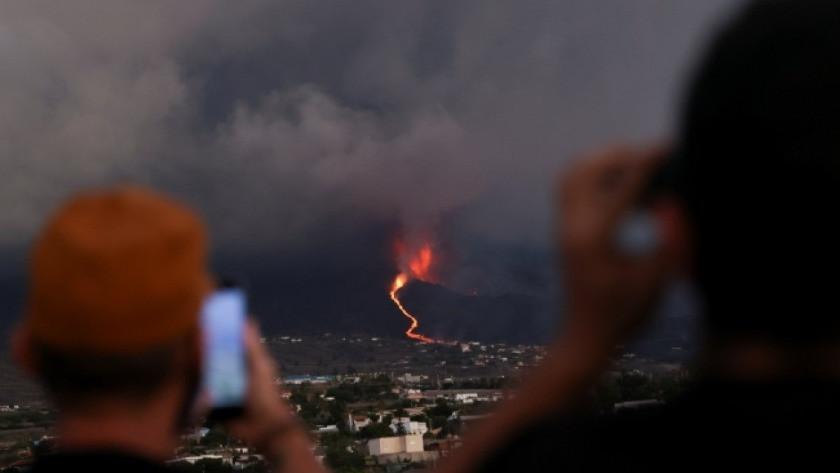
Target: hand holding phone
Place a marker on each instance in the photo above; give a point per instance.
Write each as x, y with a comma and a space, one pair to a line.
638, 233
268, 422
609, 294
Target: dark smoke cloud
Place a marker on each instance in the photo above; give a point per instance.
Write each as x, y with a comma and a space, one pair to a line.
276, 118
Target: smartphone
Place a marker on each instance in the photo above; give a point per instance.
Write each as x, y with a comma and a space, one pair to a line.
638, 233
225, 375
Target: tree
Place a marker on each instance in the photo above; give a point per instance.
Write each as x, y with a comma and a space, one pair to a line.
441, 408
343, 393
42, 448
213, 465
298, 397
605, 396
439, 422
634, 386
343, 461
214, 438
420, 418
340, 456
376, 430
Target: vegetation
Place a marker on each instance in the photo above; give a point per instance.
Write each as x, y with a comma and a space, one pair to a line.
205, 465
215, 438
26, 418
340, 455
637, 386
375, 430
356, 392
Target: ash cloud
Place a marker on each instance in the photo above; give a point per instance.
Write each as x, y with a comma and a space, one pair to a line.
285, 121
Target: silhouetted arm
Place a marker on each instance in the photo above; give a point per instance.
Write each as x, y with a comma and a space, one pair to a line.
608, 295
269, 423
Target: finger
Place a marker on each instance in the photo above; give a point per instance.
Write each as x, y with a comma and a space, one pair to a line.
200, 407
258, 355
612, 169
251, 335
604, 188
589, 168
637, 174
615, 179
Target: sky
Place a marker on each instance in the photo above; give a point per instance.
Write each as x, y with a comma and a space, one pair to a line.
318, 132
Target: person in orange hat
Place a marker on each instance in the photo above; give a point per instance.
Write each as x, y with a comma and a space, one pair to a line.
116, 280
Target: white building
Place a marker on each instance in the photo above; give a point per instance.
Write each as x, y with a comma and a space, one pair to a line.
392, 445
195, 458
409, 378
324, 429
355, 423
305, 378
466, 398
409, 426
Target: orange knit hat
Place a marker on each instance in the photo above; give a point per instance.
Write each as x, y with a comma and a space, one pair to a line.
117, 271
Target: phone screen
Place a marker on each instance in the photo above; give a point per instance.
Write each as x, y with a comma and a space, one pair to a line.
225, 374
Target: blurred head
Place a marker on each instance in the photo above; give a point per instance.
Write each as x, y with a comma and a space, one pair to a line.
758, 169
116, 280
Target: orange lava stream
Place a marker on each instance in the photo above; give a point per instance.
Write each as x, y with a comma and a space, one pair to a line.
399, 282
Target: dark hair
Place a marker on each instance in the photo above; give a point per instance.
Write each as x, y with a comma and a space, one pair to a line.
78, 379
759, 171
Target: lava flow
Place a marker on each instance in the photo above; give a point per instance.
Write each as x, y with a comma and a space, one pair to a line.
418, 268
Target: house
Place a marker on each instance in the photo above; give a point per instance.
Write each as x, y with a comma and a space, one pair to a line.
408, 426
466, 398
444, 446
356, 423
413, 394
306, 378
391, 445
408, 378
325, 429
194, 458
641, 404
399, 449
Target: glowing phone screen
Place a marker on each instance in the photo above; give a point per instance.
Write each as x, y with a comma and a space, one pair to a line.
223, 320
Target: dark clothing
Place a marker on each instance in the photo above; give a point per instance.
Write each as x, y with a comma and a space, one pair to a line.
96, 462
715, 427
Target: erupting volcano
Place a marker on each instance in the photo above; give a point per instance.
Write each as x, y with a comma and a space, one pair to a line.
418, 267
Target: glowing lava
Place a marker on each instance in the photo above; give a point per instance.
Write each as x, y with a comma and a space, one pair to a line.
418, 268
399, 282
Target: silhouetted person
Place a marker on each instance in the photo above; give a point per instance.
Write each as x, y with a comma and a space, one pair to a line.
116, 280
745, 205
